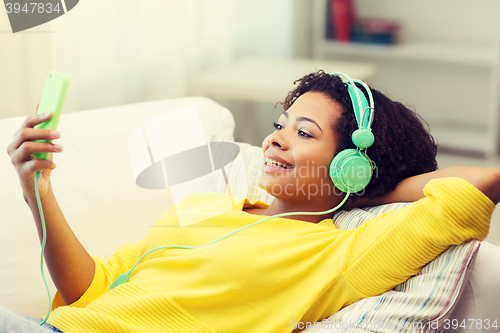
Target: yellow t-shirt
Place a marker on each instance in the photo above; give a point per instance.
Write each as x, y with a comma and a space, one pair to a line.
274, 273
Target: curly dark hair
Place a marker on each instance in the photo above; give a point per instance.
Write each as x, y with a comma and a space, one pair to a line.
403, 146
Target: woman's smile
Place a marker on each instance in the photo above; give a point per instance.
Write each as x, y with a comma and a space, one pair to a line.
273, 166
274, 163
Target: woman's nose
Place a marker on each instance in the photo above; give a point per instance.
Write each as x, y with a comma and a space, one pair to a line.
275, 143
277, 140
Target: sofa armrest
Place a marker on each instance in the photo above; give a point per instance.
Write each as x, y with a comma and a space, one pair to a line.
479, 302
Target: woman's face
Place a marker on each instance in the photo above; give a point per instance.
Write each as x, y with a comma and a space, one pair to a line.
298, 153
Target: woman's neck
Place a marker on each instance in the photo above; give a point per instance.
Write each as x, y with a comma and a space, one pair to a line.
279, 206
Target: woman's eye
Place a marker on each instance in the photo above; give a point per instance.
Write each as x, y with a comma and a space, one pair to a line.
277, 126
304, 134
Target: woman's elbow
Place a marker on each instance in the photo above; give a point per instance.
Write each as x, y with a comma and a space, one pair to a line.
491, 184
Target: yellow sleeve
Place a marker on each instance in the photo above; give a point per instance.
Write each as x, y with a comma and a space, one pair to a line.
394, 246
106, 272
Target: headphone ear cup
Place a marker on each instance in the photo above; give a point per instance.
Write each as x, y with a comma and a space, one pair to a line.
351, 170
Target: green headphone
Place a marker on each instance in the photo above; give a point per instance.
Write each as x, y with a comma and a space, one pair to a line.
351, 169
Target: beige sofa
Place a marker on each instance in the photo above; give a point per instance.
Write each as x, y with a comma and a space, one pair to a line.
96, 190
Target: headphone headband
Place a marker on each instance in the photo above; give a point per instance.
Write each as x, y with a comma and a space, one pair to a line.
362, 105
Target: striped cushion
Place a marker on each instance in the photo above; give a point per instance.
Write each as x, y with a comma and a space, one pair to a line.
421, 304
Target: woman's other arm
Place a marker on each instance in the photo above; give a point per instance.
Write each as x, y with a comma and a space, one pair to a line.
70, 266
392, 247
487, 180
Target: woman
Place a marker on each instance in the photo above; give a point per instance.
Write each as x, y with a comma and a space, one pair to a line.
286, 269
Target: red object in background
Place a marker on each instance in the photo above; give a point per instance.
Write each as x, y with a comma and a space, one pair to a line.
343, 18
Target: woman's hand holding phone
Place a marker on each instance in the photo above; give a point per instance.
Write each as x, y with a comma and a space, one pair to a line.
23, 146
31, 149
69, 264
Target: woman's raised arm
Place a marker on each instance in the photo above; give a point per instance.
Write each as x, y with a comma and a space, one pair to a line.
69, 264
487, 180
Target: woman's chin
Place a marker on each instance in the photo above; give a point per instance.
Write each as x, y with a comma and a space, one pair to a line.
265, 184
274, 187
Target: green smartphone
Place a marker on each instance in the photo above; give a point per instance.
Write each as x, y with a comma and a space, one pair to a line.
54, 94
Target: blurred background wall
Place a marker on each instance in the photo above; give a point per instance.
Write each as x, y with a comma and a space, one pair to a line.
446, 65
126, 51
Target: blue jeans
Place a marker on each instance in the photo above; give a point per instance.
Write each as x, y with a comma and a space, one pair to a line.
11, 322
